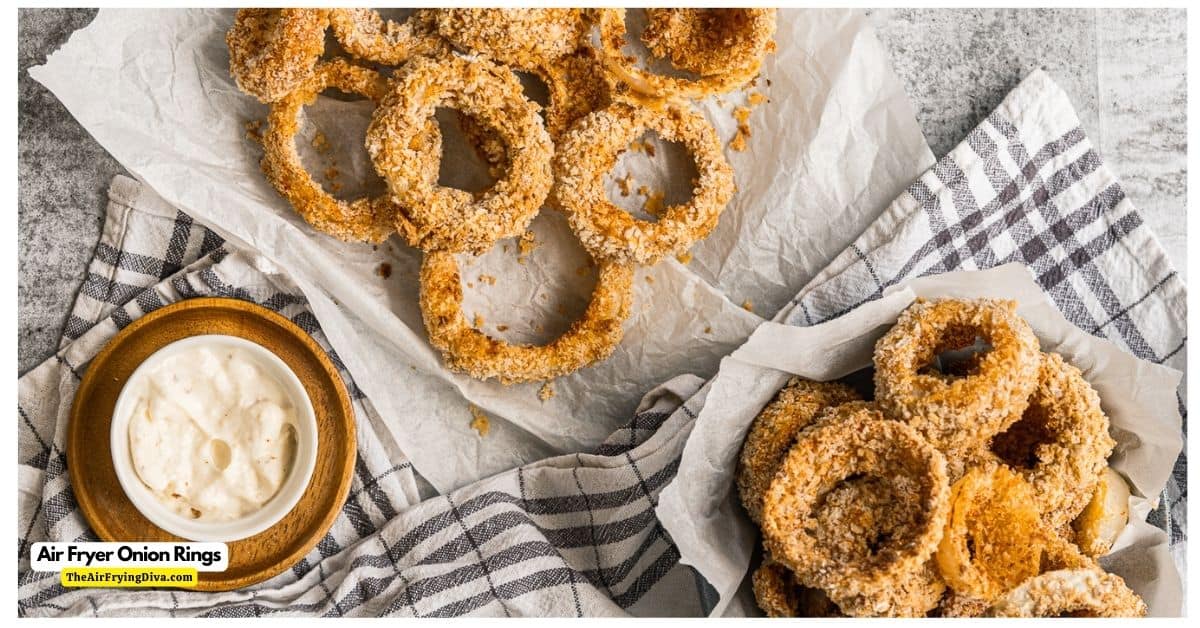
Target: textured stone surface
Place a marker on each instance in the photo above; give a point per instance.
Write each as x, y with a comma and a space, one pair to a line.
1124, 70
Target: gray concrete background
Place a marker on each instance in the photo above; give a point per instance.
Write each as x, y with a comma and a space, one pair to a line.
1125, 71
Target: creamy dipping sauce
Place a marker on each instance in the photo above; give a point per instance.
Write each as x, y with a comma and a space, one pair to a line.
212, 432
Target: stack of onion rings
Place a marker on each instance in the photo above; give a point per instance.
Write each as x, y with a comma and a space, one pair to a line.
447, 218
273, 51
364, 219
591, 149
366, 35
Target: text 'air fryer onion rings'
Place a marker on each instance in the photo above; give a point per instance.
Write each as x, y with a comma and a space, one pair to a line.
448, 218
591, 149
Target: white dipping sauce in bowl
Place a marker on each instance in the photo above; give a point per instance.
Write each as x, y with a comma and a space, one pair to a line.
214, 438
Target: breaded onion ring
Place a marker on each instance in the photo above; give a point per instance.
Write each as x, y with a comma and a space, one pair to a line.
1104, 517
447, 218
590, 339
526, 39
955, 604
857, 444
1071, 593
646, 85
1061, 442
774, 430
366, 35
273, 51
591, 148
994, 535
779, 595
364, 219
956, 414
710, 41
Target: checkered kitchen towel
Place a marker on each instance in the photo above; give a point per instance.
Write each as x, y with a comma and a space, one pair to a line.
1027, 186
566, 536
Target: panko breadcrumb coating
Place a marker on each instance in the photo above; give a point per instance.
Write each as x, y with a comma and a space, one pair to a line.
363, 219
779, 595
1071, 593
956, 414
774, 430
273, 51
526, 39
448, 218
710, 41
1061, 442
589, 339
366, 35
591, 149
853, 441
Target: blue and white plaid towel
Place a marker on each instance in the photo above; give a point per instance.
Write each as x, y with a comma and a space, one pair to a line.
577, 535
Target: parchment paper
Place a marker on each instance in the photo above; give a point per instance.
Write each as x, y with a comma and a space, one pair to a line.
836, 142
700, 507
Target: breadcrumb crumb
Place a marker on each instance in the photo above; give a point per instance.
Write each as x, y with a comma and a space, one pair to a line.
479, 421
546, 391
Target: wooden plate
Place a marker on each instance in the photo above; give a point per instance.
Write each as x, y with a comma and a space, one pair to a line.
94, 481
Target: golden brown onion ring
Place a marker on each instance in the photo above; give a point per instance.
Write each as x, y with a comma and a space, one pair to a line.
273, 51
710, 41
366, 35
1061, 443
1104, 517
779, 595
774, 430
590, 339
1071, 593
858, 444
591, 149
957, 414
447, 218
526, 39
363, 219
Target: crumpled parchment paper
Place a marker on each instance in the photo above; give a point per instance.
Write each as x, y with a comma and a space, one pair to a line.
834, 144
700, 507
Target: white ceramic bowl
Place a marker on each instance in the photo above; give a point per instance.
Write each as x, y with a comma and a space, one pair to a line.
290, 491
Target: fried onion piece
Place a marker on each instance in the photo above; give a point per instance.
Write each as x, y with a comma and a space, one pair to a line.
447, 218
273, 51
957, 414
774, 430
366, 35
710, 41
1105, 515
994, 537
1061, 441
526, 39
590, 339
363, 219
1071, 593
591, 149
778, 594
860, 569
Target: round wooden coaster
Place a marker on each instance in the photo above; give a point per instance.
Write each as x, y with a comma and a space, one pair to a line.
89, 461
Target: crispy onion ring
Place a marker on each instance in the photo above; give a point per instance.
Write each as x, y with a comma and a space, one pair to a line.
366, 35
646, 85
273, 51
774, 430
526, 39
1104, 517
591, 149
590, 339
1071, 593
779, 595
1061, 442
955, 604
957, 414
447, 218
857, 444
363, 219
994, 534
710, 41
